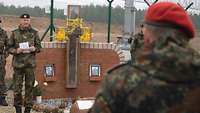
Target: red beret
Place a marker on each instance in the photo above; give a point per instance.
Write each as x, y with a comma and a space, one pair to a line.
171, 15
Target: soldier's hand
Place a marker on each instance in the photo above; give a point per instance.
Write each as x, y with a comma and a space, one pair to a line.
26, 51
19, 50
32, 48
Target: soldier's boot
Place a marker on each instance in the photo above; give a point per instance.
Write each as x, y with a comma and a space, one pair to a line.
3, 101
18, 109
27, 110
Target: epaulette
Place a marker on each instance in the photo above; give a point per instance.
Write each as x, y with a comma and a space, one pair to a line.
118, 66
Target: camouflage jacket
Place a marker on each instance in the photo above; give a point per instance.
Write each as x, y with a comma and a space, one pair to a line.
159, 82
19, 36
3, 47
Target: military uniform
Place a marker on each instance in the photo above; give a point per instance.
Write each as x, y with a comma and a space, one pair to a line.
164, 74
24, 64
157, 81
3, 55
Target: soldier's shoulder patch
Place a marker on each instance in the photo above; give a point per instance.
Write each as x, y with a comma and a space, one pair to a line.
118, 66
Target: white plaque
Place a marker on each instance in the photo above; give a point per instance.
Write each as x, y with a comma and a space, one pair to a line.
24, 45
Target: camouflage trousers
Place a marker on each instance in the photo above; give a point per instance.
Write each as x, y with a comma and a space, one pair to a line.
2, 81
21, 74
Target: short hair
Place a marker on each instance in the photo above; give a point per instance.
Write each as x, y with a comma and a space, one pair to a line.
167, 32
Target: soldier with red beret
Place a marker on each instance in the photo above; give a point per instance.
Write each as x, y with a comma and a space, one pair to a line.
164, 73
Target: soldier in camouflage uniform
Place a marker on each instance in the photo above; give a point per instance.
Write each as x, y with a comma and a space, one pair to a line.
164, 73
3, 55
24, 43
